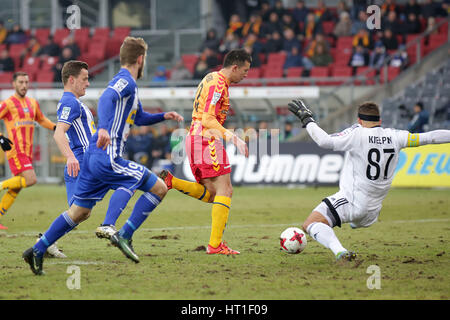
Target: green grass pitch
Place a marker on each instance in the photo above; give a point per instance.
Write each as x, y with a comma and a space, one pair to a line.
409, 246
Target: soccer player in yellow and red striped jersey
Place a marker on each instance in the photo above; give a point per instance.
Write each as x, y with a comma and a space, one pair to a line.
207, 155
19, 113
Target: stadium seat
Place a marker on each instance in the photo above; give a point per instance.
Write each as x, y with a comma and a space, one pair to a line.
81, 37
276, 59
370, 76
42, 34
294, 72
254, 73
60, 35
97, 49
6, 77
341, 71
328, 27
189, 61
45, 78
101, 34
271, 72
31, 66
344, 43
15, 50
392, 73
48, 63
121, 32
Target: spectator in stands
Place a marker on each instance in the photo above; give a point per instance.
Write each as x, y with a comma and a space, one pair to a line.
252, 26
230, 42
160, 77
428, 9
343, 27
355, 11
389, 40
359, 58
31, 49
279, 8
341, 7
360, 23
431, 24
293, 59
139, 146
66, 55
274, 43
235, 25
50, 49
210, 57
362, 38
272, 25
180, 72
412, 24
200, 70
389, 6
393, 23
16, 35
256, 62
288, 22
311, 27
322, 13
321, 56
319, 38
6, 62
265, 11
70, 43
212, 41
419, 120
412, 7
300, 12
400, 58
377, 56
3, 32
290, 41
161, 143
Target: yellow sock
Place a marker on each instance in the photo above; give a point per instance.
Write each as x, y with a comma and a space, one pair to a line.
7, 201
220, 210
192, 189
16, 182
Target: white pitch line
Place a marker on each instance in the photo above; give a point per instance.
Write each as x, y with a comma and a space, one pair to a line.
35, 233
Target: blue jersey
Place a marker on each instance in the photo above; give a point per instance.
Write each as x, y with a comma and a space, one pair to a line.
76, 114
118, 109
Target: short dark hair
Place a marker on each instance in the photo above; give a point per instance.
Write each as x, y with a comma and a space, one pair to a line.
72, 68
369, 108
19, 74
420, 105
237, 57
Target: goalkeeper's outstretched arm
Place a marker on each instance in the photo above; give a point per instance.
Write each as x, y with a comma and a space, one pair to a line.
431, 137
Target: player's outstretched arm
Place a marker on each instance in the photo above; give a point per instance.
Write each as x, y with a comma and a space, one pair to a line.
301, 111
431, 137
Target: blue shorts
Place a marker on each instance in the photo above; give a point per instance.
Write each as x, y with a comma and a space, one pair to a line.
99, 174
72, 181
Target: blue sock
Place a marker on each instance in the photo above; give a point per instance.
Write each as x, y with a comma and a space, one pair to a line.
117, 203
145, 204
58, 228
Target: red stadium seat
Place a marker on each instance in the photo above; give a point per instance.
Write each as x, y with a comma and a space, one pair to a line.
392, 73
273, 72
328, 27
344, 42
294, 72
48, 63
42, 34
31, 66
6, 77
254, 73
370, 75
101, 34
60, 35
82, 38
276, 59
341, 71
45, 79
97, 49
121, 32
189, 61
320, 72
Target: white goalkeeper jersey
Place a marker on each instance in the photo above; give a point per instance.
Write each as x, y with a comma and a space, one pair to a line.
371, 158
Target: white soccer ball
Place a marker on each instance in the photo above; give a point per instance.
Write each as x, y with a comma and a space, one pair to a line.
293, 240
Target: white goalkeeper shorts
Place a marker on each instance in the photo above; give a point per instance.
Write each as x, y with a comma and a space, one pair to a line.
338, 210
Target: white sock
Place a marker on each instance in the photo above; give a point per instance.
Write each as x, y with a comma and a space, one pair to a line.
325, 236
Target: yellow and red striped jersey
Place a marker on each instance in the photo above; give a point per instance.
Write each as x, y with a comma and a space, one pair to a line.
19, 115
212, 98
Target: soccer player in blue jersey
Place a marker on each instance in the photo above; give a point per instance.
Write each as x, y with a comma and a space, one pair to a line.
103, 166
74, 128
76, 124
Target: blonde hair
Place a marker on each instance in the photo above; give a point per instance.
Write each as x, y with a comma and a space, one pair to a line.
131, 49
